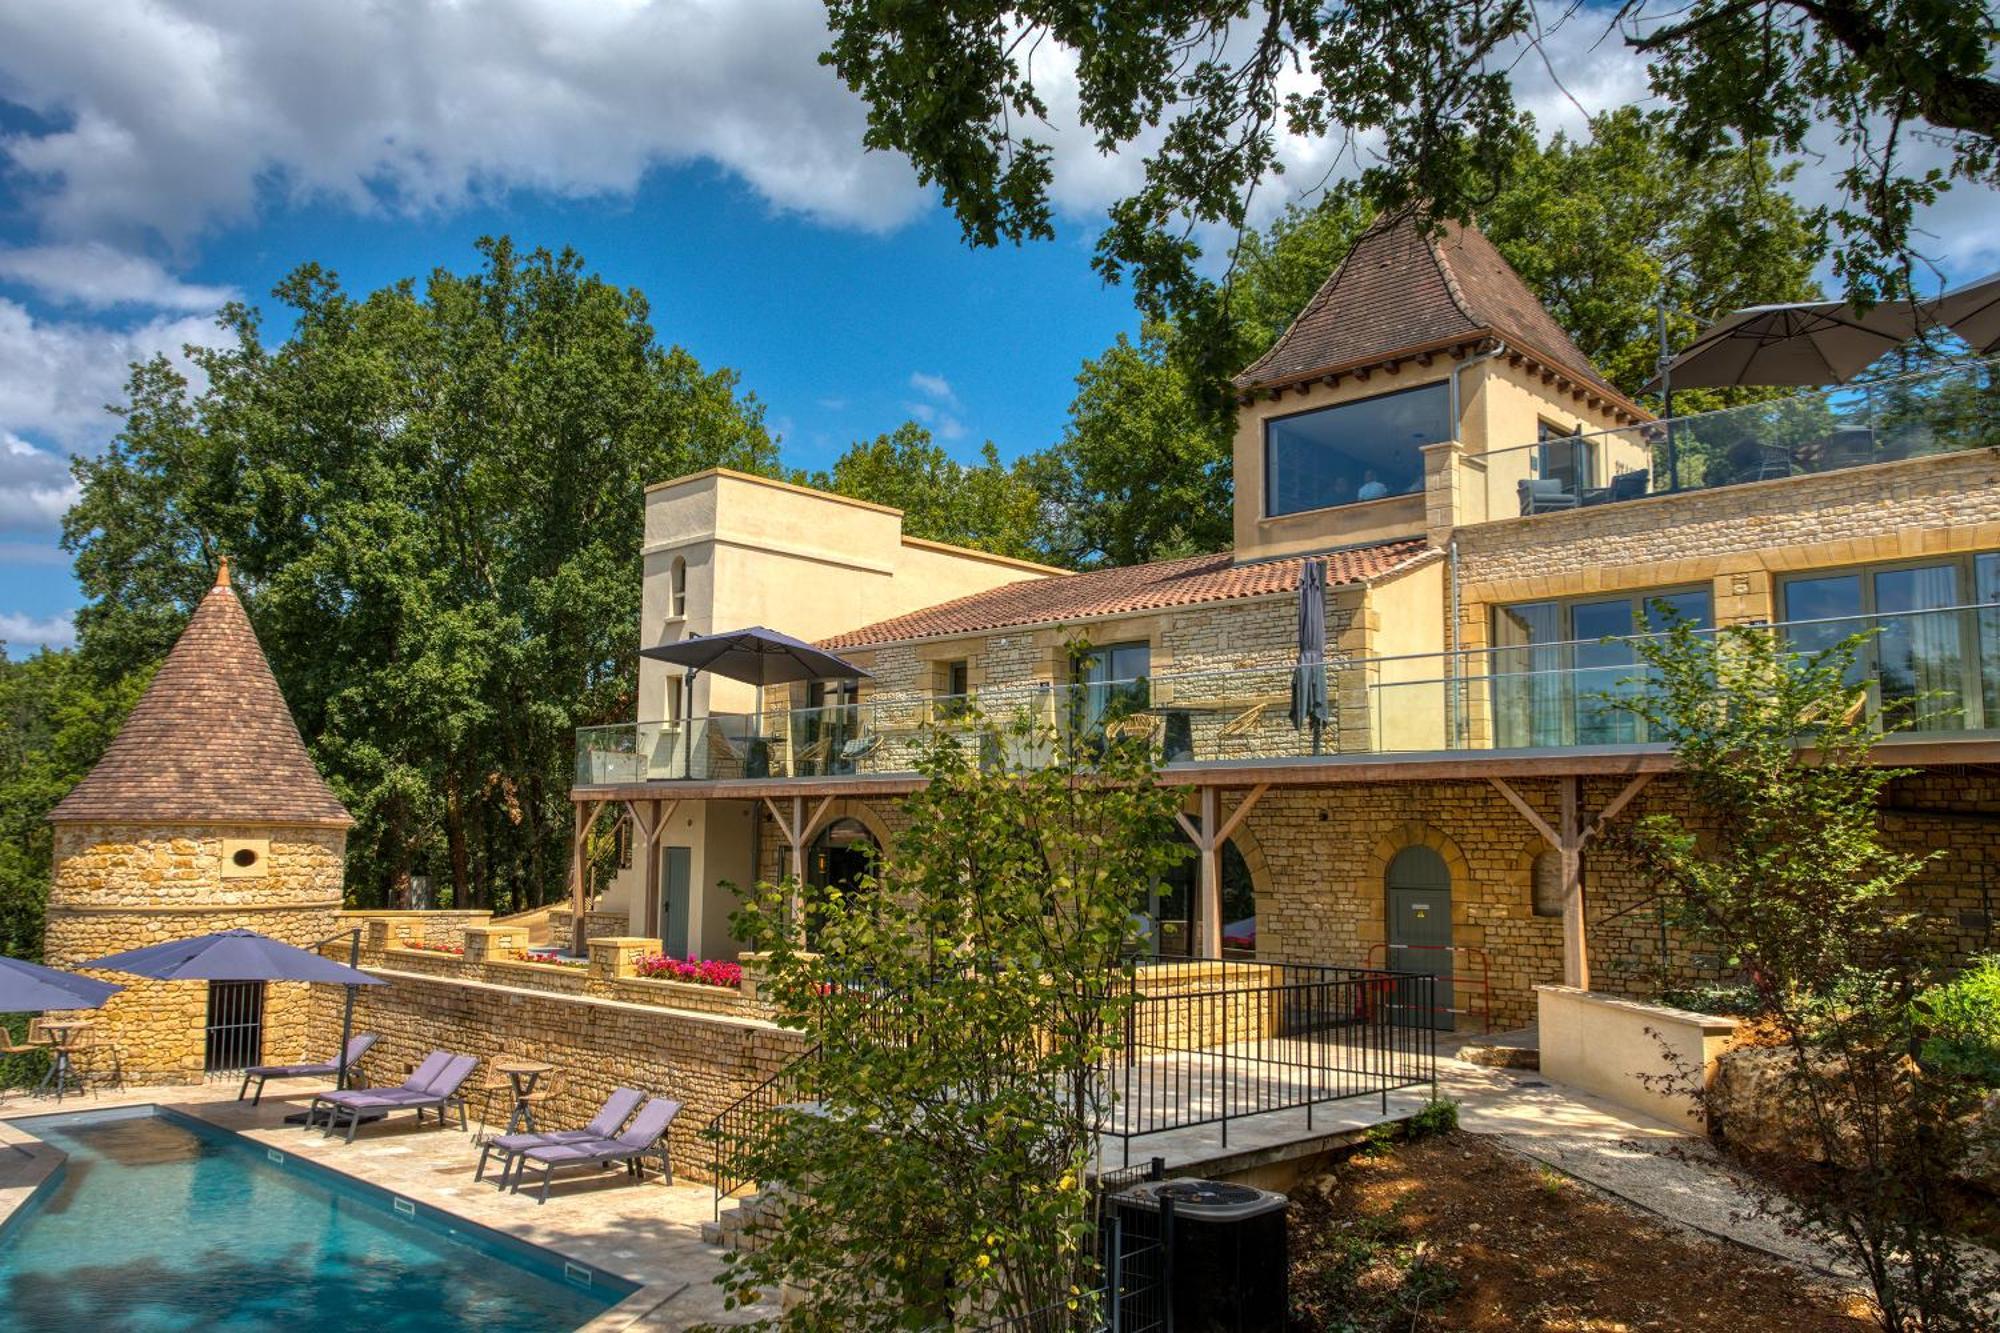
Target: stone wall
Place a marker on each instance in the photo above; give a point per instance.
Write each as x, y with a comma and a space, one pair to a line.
1736, 538
118, 887
1322, 855
595, 1041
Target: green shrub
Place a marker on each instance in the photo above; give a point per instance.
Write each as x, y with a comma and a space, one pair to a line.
1962, 1023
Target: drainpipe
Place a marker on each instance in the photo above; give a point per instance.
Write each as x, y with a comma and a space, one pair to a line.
1455, 720
1453, 685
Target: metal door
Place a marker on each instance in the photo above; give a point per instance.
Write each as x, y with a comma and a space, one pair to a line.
235, 1030
676, 874
1419, 893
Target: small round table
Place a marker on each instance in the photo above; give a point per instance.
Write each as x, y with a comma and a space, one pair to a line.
62, 1041
523, 1075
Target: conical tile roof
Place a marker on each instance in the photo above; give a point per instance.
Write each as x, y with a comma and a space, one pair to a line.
211, 740
1402, 288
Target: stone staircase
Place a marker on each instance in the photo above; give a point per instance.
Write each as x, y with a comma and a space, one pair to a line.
735, 1227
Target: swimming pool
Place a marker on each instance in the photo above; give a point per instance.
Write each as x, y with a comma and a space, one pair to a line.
161, 1222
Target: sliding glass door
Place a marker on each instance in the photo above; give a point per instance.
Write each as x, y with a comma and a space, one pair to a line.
1561, 668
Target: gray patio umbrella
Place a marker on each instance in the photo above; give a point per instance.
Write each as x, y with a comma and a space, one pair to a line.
1972, 312
242, 955
1808, 343
1309, 701
30, 988
757, 655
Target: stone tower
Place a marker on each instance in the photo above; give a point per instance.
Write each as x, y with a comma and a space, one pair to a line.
204, 814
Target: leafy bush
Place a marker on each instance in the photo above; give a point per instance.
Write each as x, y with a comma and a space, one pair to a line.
26, 1070
1730, 999
1962, 1018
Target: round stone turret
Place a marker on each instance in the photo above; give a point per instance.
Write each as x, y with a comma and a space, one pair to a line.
204, 814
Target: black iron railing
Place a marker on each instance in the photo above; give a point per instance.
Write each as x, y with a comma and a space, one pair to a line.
1203, 1042
1220, 1041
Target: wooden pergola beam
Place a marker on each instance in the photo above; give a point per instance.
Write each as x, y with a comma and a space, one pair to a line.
1567, 837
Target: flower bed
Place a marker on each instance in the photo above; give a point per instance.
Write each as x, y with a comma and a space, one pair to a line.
705, 972
455, 950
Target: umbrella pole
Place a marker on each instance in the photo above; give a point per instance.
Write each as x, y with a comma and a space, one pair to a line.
347, 1008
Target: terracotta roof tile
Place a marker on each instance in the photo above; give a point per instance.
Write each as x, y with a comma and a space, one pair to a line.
1401, 288
210, 741
1132, 588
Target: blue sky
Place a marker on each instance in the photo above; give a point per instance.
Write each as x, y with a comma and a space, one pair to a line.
158, 156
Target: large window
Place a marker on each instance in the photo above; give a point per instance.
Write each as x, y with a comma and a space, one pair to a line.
1364, 450
1560, 667
1566, 457
1929, 658
1114, 680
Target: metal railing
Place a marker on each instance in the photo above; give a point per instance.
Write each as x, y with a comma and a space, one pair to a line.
1555, 695
1271, 1037
1202, 1042
1931, 412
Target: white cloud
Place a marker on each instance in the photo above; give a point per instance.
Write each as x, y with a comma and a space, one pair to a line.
174, 115
934, 387
56, 376
35, 486
19, 631
97, 276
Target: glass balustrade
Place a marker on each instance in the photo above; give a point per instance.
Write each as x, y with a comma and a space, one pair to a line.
1934, 412
1941, 667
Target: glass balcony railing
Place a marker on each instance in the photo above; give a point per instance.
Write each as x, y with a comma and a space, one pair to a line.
1935, 412
1941, 666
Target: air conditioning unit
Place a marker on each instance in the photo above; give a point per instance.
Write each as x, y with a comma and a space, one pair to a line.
1225, 1262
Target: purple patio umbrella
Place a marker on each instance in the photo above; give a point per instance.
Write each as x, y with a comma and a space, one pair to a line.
1309, 699
30, 988
242, 955
757, 655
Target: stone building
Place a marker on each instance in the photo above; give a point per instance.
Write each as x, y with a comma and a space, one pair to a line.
204, 814
1494, 518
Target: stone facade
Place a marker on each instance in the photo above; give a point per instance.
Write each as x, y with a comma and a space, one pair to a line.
118, 887
599, 1026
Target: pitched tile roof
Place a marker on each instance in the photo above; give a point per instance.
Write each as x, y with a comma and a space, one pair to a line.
1132, 588
210, 741
1401, 288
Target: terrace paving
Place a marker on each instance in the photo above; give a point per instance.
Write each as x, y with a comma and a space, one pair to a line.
649, 1233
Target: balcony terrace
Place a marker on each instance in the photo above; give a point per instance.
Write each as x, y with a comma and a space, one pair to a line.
1936, 411
1521, 703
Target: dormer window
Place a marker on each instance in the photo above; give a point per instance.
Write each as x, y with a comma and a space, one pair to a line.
1365, 450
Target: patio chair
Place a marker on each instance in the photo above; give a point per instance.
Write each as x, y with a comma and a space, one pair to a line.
436, 1091
610, 1118
356, 1048
645, 1136
1630, 485
1541, 495
1774, 460
420, 1078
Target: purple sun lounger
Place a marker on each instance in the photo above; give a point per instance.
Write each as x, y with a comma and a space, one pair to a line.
609, 1119
355, 1050
644, 1137
440, 1094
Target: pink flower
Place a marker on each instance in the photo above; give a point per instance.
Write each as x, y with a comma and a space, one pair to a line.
705, 972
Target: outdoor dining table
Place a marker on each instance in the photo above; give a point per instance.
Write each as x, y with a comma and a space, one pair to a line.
524, 1076
62, 1041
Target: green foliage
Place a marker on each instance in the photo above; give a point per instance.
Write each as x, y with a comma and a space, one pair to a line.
964, 999
1962, 1020
433, 499
56, 717
23, 1069
988, 505
1600, 229
1784, 871
1437, 1116
960, 87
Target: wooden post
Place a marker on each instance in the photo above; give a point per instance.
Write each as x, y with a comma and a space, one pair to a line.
651, 826
1208, 836
1568, 842
797, 831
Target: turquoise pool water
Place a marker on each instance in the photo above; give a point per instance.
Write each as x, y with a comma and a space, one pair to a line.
161, 1222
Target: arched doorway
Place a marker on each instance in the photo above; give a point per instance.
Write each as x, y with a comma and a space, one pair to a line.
1173, 909
1418, 887
843, 852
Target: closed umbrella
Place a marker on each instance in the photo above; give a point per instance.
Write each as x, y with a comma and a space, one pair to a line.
1807, 343
242, 955
1972, 312
1309, 701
